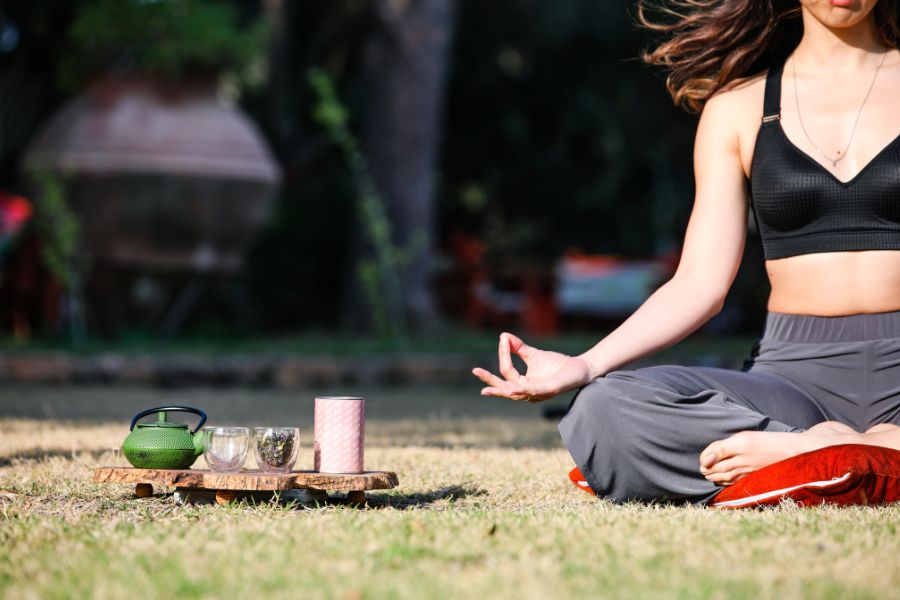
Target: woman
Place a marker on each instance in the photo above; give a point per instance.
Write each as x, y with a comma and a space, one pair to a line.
799, 122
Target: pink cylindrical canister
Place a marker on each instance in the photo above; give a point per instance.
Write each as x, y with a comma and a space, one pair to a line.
340, 431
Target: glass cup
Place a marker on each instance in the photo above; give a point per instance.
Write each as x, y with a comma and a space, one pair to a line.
225, 448
276, 448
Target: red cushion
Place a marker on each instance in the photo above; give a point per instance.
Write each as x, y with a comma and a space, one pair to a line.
578, 479
843, 475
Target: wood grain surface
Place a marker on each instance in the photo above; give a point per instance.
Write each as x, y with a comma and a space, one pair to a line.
248, 480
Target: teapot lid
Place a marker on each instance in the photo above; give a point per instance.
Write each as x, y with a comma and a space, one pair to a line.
162, 422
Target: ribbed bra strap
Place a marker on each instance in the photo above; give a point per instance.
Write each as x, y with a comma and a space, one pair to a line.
772, 101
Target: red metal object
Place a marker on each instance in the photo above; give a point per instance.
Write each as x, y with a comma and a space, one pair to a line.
520, 297
15, 211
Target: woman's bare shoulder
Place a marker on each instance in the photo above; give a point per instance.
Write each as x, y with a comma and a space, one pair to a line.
731, 119
733, 114
743, 95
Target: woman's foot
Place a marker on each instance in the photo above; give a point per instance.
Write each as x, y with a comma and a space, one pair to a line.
882, 428
726, 461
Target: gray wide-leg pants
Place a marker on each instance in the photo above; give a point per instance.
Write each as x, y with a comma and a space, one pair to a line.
638, 434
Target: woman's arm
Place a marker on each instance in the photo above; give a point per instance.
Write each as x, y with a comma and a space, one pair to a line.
713, 246
711, 255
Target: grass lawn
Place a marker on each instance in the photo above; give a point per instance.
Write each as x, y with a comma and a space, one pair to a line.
483, 510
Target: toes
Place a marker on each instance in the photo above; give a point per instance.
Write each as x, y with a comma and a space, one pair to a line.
730, 446
726, 472
727, 478
722, 466
710, 455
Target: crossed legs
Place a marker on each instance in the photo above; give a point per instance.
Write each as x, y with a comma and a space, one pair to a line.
639, 435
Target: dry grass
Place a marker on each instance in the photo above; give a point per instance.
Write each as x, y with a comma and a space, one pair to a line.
483, 510
23, 438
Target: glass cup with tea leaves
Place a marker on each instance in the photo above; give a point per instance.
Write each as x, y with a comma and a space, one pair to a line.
276, 448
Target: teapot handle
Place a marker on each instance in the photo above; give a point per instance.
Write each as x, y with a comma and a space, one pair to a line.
150, 411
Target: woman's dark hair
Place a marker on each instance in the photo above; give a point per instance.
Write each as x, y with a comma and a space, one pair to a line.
714, 42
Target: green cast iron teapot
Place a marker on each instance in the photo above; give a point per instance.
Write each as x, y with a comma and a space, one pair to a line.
163, 444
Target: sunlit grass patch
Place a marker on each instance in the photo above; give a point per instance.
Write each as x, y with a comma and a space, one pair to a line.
472, 517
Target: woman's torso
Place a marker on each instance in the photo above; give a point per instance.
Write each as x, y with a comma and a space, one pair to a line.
831, 283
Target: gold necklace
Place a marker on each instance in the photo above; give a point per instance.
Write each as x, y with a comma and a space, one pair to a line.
841, 155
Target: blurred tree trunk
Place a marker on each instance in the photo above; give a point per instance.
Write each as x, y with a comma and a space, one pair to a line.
405, 65
282, 114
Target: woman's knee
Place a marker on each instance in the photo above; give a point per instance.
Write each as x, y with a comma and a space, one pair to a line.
613, 432
596, 399
603, 410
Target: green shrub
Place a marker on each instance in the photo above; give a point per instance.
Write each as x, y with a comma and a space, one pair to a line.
168, 38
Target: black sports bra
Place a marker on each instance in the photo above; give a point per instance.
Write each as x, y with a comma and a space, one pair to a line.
801, 208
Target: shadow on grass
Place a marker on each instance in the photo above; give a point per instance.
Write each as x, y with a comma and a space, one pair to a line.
423, 499
410, 501
377, 502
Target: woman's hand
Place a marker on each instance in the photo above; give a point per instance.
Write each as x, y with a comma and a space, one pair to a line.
548, 373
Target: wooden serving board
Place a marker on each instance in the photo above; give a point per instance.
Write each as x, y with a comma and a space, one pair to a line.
250, 480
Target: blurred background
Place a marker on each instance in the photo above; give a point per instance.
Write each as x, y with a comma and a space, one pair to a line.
282, 181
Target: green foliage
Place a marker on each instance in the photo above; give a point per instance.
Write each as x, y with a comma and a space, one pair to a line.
554, 136
287, 272
60, 231
381, 276
61, 237
557, 137
169, 38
